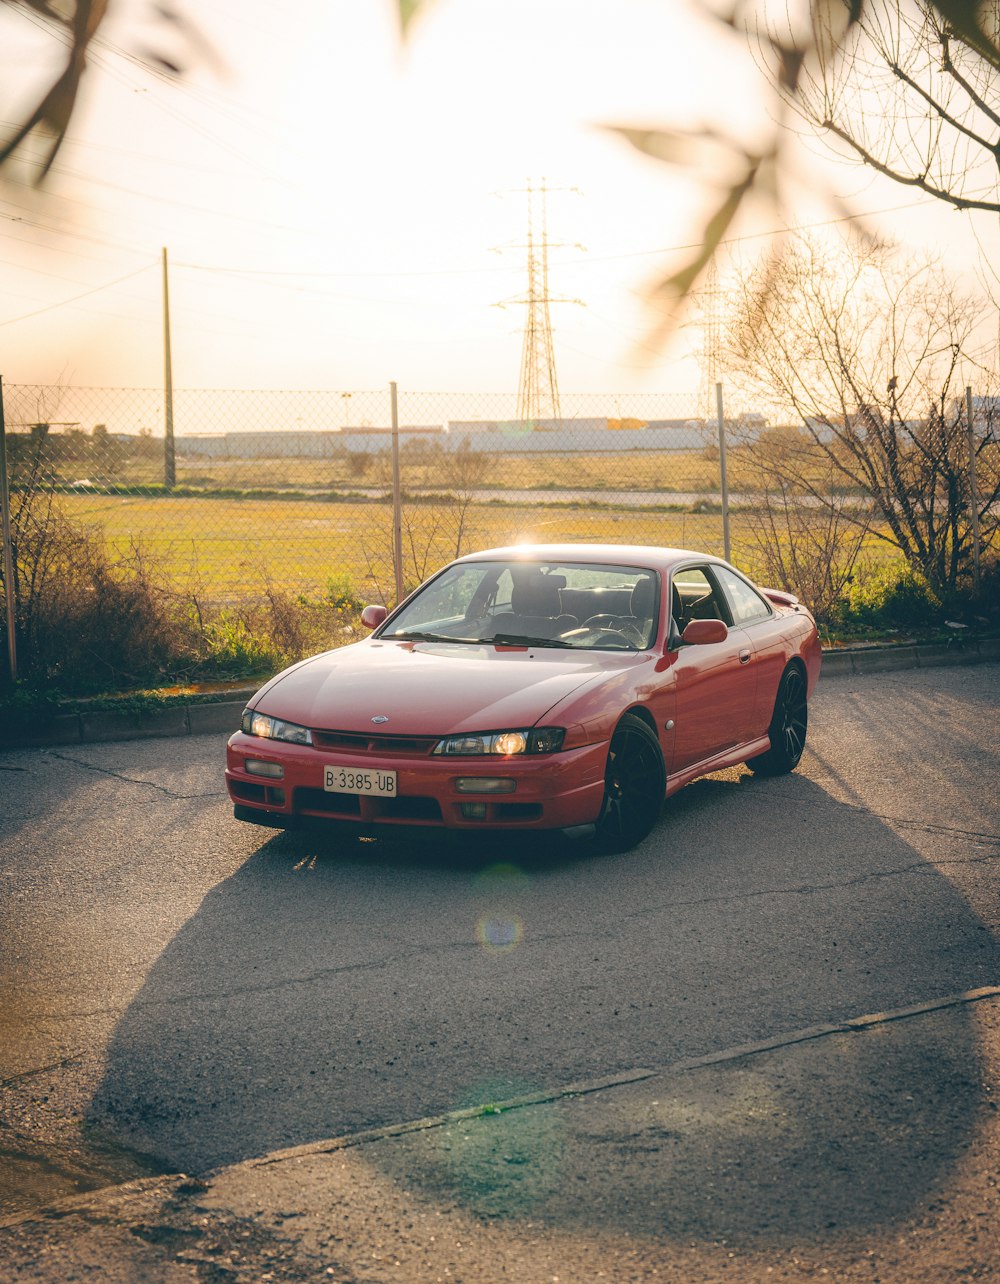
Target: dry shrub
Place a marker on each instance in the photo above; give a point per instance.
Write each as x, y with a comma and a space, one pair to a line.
805, 545
101, 621
86, 617
270, 628
91, 619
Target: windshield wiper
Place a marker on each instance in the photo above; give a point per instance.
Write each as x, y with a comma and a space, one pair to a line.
523, 639
417, 636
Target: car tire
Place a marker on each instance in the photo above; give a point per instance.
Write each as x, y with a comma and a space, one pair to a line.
635, 783
787, 731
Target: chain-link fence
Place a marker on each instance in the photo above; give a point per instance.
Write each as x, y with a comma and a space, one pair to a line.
337, 495
298, 486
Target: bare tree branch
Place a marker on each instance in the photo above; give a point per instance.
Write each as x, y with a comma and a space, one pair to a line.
870, 360
915, 97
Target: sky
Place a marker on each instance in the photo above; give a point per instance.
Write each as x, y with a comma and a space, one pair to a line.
342, 209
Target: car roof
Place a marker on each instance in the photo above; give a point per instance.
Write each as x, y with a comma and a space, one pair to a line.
620, 554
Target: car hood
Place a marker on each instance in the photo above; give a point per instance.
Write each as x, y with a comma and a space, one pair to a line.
431, 688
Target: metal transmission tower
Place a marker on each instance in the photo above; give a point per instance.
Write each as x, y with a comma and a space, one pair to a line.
538, 386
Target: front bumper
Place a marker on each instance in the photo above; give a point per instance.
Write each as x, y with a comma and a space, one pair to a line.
551, 791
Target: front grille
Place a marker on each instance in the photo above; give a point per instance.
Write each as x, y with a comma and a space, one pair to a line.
327, 804
362, 742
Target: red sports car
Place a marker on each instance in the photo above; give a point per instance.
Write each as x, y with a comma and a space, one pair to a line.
545, 687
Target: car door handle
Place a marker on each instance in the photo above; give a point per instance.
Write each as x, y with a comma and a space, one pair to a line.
744, 657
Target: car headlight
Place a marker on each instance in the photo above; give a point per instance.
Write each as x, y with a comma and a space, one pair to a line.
261, 724
505, 743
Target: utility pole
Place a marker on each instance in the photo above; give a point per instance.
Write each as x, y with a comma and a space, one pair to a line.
538, 385
397, 499
169, 459
10, 603
709, 297
970, 427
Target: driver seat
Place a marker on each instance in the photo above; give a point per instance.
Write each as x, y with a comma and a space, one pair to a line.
536, 608
636, 626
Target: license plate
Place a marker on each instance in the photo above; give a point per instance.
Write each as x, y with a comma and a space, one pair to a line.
359, 780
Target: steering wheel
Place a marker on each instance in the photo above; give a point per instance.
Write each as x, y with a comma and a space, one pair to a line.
617, 624
615, 637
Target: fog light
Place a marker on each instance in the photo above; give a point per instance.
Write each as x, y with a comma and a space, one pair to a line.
485, 785
257, 768
473, 811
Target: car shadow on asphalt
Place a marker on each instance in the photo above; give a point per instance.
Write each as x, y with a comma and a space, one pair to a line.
324, 989
457, 853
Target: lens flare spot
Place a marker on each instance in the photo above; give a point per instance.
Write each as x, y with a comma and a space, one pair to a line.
499, 935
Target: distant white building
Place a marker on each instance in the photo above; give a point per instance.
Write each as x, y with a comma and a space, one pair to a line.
489, 436
298, 445
259, 445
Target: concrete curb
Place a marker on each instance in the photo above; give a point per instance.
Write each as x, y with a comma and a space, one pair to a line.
223, 716
623, 1078
881, 659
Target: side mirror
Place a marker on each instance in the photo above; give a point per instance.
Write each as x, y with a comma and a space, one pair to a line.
373, 616
701, 632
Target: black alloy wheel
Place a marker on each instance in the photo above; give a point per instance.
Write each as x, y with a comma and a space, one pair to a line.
635, 783
788, 727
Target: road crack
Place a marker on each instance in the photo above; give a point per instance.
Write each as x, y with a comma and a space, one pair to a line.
134, 780
925, 826
809, 889
923, 868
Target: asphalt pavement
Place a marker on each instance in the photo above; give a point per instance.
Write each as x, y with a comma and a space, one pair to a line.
864, 1150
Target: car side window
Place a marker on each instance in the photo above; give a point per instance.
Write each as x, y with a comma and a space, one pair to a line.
745, 602
694, 596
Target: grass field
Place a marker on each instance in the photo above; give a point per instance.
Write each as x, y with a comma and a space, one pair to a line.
226, 547
665, 471
223, 549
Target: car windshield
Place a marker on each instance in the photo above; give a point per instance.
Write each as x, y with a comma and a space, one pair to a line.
576, 605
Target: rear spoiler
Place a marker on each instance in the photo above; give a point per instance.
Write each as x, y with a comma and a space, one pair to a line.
781, 598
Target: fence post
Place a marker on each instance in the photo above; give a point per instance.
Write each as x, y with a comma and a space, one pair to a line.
8, 547
397, 502
970, 429
724, 482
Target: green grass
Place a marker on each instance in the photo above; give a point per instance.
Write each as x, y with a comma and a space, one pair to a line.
223, 545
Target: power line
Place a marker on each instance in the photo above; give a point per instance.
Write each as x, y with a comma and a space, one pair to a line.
48, 230
591, 259
86, 295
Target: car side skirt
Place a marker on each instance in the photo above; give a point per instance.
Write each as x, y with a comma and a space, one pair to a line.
729, 758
